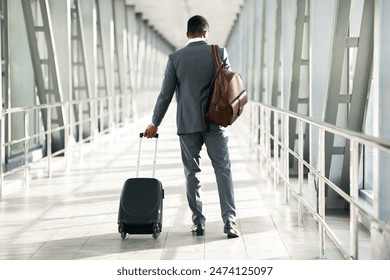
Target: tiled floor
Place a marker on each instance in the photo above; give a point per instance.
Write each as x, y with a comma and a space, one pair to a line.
73, 214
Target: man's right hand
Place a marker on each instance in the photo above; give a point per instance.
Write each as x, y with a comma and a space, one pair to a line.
150, 131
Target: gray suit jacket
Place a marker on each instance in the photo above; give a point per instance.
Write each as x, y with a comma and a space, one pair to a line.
190, 72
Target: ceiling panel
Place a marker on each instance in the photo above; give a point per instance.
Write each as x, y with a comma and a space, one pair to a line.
169, 17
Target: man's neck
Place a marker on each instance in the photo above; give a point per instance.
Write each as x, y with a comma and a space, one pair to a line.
196, 39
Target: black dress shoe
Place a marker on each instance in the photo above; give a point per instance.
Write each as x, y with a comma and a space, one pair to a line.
231, 230
198, 229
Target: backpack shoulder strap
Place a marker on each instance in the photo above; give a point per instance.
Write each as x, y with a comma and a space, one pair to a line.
217, 59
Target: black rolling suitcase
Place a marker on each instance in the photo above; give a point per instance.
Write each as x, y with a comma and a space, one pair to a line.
141, 203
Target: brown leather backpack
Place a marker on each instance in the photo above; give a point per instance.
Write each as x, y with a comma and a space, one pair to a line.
227, 95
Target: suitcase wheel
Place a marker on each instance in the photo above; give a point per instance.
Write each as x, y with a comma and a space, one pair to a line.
156, 231
122, 231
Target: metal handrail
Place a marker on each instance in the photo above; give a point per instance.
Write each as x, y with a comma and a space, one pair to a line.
260, 130
99, 113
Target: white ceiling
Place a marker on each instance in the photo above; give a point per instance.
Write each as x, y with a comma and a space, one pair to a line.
169, 17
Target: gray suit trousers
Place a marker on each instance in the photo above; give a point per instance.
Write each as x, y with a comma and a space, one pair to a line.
217, 150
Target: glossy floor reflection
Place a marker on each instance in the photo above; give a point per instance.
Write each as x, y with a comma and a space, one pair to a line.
73, 214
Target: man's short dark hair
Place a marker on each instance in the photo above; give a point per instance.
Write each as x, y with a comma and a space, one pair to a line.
197, 24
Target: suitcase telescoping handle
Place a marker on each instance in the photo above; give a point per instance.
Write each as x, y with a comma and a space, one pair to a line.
141, 136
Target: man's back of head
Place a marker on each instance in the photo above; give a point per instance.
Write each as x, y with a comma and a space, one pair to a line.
196, 25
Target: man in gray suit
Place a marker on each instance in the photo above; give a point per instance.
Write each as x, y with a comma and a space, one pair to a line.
190, 72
